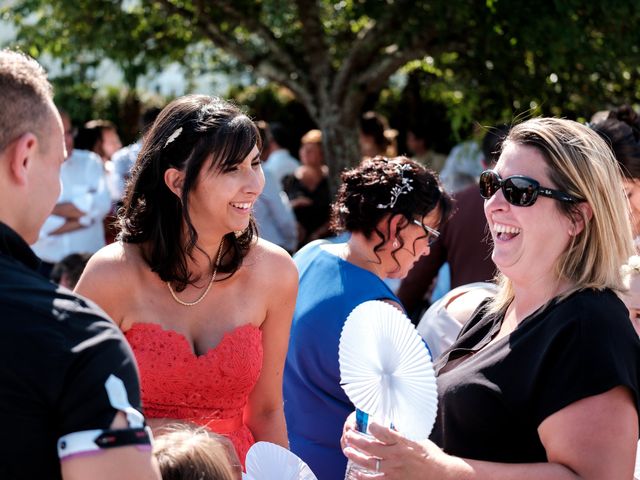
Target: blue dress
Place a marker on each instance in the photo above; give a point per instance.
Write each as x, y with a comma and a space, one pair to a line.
315, 405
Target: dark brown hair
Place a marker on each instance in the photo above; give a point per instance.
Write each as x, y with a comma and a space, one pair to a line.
90, 135
374, 125
191, 133
621, 130
371, 191
72, 266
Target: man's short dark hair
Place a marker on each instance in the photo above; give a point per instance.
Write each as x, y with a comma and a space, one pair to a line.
25, 97
148, 117
280, 134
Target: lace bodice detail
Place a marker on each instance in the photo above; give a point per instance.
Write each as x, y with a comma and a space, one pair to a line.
211, 389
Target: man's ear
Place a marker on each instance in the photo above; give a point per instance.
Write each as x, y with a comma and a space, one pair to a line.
584, 214
174, 179
21, 154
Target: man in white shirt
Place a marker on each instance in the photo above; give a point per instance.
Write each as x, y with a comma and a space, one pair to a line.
101, 137
276, 221
125, 158
76, 223
280, 163
274, 216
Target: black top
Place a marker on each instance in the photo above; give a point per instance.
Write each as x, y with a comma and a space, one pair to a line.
492, 400
313, 216
56, 352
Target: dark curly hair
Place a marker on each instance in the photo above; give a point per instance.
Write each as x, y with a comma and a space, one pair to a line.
215, 134
621, 130
371, 191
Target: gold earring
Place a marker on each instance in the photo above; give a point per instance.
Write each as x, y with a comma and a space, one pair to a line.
395, 244
238, 233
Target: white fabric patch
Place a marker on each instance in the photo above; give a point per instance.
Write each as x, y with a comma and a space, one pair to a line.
119, 400
78, 442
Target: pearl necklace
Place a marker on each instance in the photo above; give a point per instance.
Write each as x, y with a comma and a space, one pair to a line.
204, 294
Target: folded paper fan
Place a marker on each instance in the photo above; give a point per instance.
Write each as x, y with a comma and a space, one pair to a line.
636, 472
386, 369
267, 460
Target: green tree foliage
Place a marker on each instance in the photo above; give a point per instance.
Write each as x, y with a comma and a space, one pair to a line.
487, 61
81, 33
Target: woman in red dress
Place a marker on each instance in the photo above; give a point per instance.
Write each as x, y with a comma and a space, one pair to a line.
191, 284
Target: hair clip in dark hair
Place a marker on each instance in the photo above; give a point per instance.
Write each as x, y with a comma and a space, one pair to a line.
402, 188
173, 136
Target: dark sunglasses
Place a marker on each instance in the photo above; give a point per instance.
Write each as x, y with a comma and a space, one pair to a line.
518, 190
431, 233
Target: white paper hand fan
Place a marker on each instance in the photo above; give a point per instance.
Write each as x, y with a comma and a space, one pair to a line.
386, 369
636, 472
267, 461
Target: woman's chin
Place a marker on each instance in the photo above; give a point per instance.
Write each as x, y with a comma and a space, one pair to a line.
505, 261
398, 274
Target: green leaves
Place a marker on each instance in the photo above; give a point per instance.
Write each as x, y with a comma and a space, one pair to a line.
485, 61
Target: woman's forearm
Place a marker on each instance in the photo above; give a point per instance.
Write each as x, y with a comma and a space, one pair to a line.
269, 427
400, 458
465, 469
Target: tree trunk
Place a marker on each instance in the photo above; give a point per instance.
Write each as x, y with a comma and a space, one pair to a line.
341, 149
339, 125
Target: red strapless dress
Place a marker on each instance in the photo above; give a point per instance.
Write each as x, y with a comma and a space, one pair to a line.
210, 390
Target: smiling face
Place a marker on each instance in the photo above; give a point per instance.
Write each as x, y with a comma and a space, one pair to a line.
415, 244
221, 202
527, 240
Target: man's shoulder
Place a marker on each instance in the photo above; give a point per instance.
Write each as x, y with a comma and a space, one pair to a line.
282, 156
18, 281
60, 332
83, 156
127, 154
31, 298
79, 168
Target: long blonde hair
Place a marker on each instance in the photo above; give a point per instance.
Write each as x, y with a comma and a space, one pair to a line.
580, 163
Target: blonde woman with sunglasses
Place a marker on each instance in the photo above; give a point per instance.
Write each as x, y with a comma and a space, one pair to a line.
543, 381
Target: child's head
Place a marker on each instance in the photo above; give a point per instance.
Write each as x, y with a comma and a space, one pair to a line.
191, 453
67, 271
631, 298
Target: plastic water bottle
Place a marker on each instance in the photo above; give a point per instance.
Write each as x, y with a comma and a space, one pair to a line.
362, 426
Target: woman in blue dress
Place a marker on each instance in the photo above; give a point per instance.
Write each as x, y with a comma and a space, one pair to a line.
391, 209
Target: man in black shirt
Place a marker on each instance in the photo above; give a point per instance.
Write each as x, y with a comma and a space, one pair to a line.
67, 375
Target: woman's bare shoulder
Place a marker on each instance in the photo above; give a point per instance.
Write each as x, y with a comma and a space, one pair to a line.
115, 259
115, 267
112, 277
273, 261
